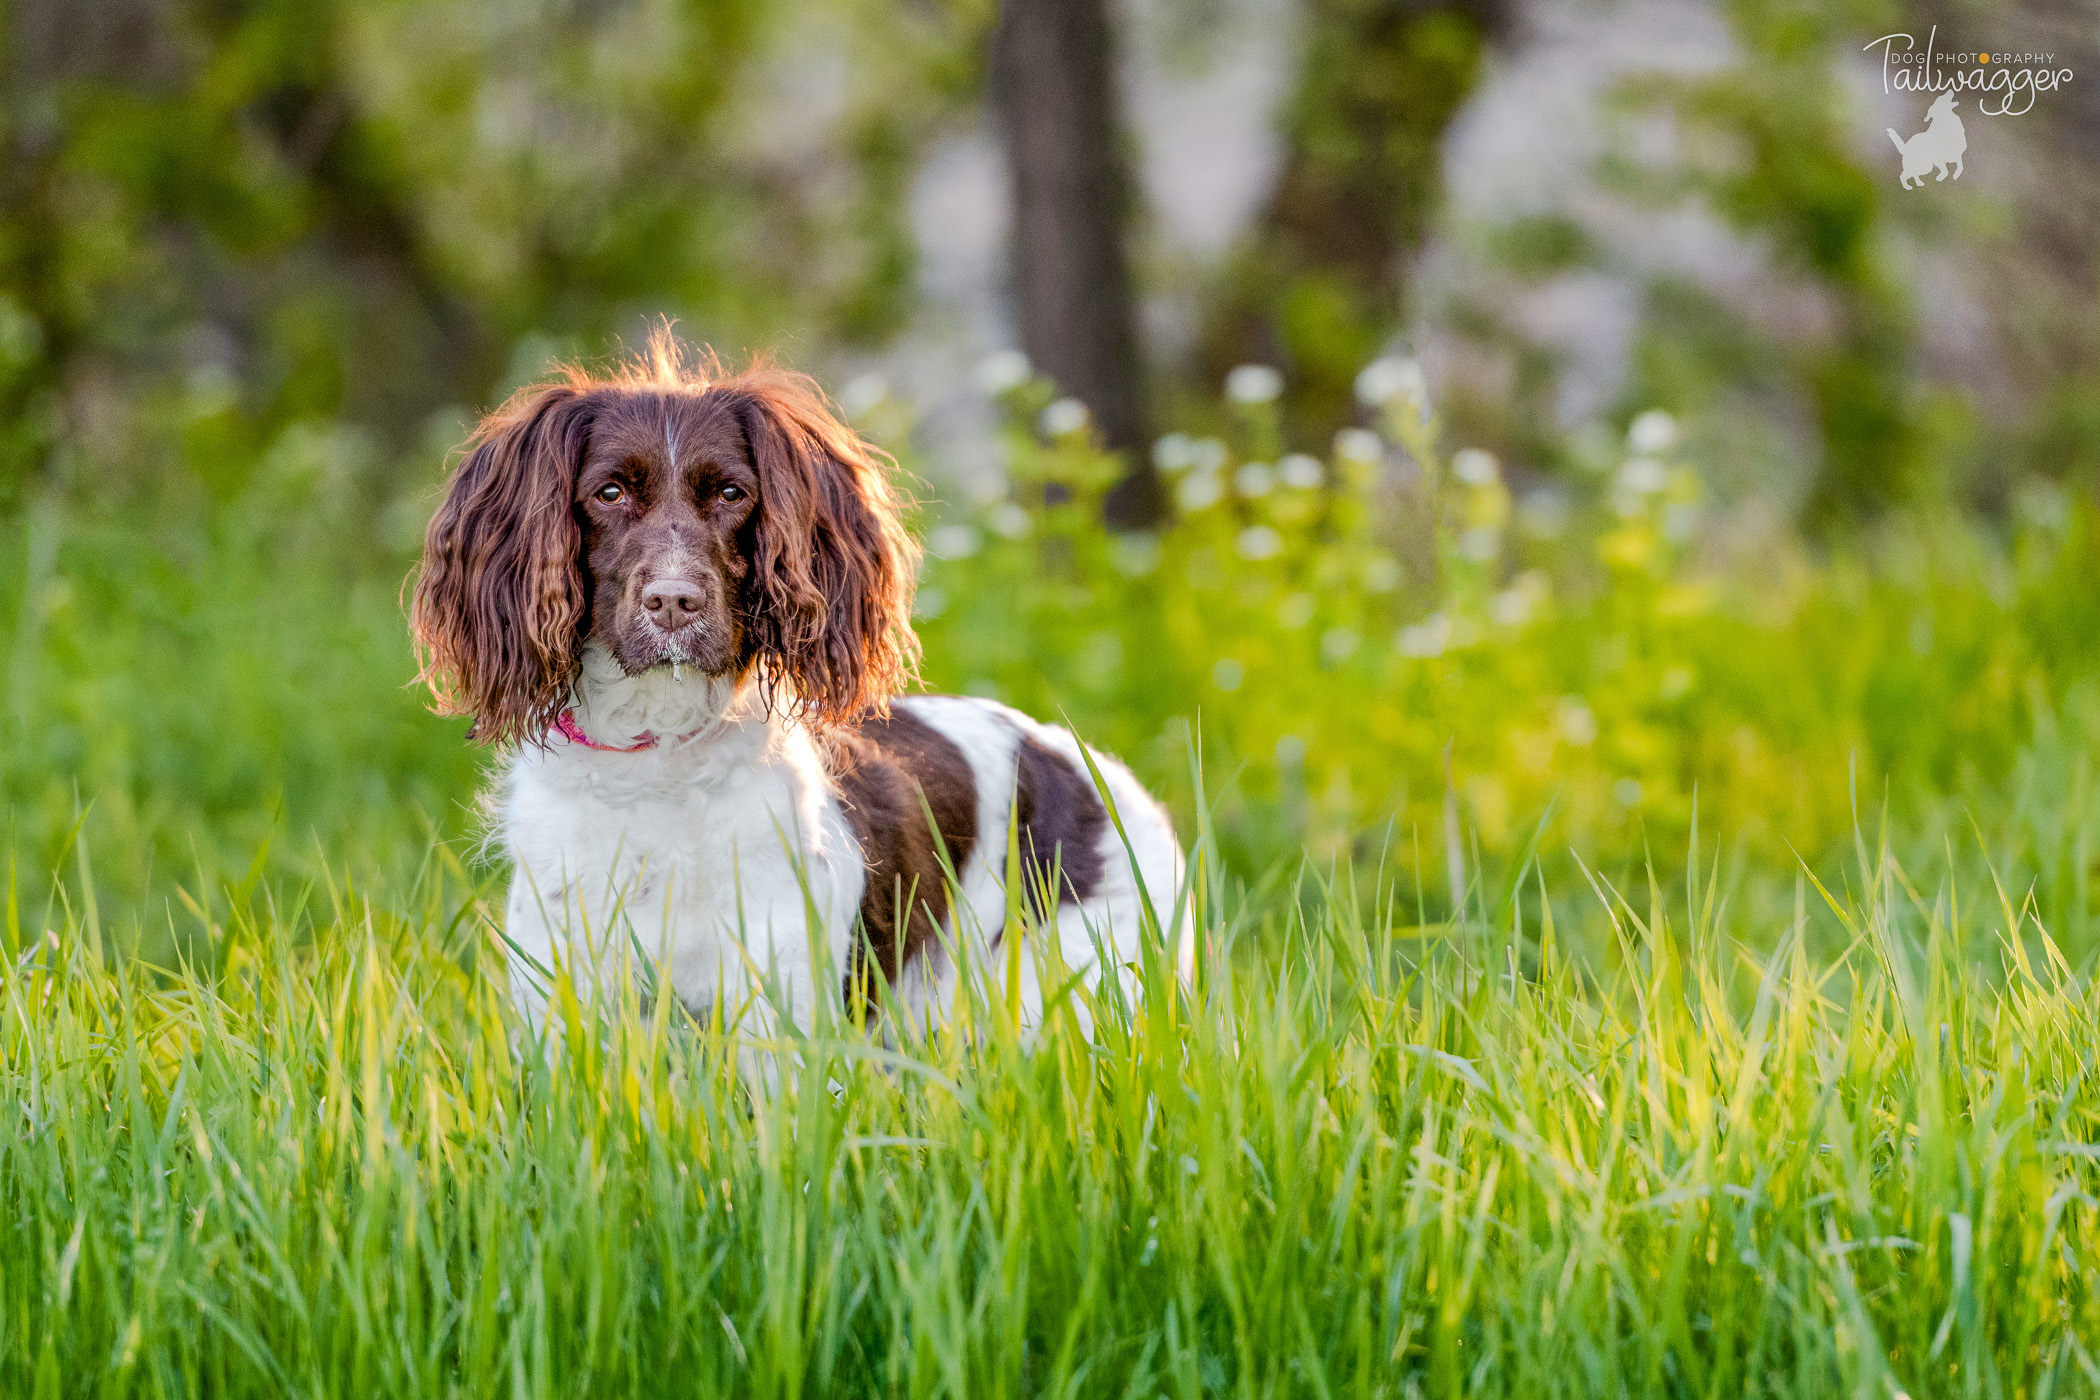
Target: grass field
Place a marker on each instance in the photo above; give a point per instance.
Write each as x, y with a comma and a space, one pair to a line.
1625, 973
1363, 1158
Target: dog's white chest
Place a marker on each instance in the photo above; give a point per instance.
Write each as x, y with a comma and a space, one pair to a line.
698, 854
639, 833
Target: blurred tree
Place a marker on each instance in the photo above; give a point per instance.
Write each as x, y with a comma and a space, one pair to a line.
1053, 85
248, 213
1321, 281
1898, 416
1778, 160
2048, 281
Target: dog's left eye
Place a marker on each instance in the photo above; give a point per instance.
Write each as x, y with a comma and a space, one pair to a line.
732, 493
611, 494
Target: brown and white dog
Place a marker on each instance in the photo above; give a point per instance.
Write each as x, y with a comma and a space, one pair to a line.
680, 600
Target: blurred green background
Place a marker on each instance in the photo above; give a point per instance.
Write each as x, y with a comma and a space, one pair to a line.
1527, 428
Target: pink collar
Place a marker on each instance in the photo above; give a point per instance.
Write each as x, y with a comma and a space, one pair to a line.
565, 724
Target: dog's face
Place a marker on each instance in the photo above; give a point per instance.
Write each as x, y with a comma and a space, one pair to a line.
729, 524
667, 496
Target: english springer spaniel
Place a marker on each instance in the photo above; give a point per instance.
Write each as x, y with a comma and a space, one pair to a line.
680, 600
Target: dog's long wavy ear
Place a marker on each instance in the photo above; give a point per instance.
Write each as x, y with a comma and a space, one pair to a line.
828, 606
500, 595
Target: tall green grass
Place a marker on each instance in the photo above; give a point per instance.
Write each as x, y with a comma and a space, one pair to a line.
1358, 1155
1490, 1081
213, 668
193, 679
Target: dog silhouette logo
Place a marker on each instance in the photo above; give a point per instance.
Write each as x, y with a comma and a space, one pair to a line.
1938, 147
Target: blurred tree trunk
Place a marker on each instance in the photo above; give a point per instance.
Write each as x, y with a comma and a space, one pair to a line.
1319, 284
1053, 85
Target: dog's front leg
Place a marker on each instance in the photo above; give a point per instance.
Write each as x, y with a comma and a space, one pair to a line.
557, 936
761, 956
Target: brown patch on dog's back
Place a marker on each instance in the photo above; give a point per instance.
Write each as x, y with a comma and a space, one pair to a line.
889, 772
1061, 820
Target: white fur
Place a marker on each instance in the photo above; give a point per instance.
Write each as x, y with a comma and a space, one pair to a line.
698, 852
990, 735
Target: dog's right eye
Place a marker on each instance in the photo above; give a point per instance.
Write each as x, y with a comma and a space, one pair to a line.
611, 494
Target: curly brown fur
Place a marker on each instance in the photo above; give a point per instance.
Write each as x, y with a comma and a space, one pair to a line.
499, 598
782, 517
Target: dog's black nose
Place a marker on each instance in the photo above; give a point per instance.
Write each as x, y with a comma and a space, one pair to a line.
672, 602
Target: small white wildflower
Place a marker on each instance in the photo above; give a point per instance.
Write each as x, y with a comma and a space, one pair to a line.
1419, 641
1645, 475
1207, 454
1513, 606
1302, 472
1339, 644
1381, 573
1627, 791
1290, 751
863, 392
1258, 542
1134, 555
1653, 431
1007, 369
1476, 468
1199, 491
1296, 610
1253, 384
1065, 416
1574, 720
1426, 638
1543, 514
1011, 520
1228, 674
1254, 479
929, 603
1359, 445
1174, 452
953, 542
1481, 543
1391, 377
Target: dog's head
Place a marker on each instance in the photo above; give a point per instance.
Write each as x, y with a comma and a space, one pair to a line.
1943, 106
727, 523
